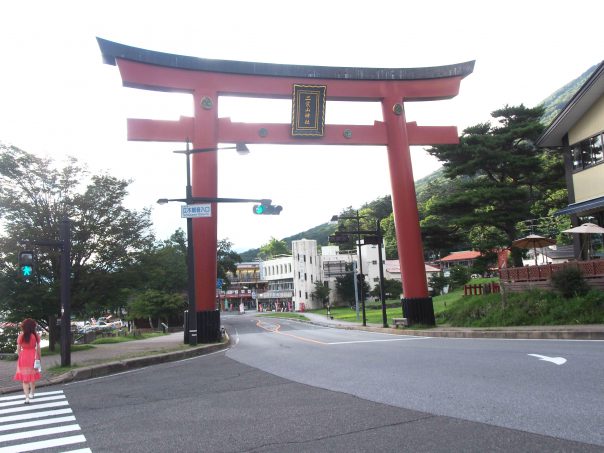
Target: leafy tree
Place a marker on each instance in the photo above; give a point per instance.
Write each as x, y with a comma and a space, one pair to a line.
392, 289
227, 261
438, 283
35, 195
273, 248
501, 177
346, 283
321, 291
153, 304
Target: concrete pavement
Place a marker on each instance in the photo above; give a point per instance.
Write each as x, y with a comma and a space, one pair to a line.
113, 358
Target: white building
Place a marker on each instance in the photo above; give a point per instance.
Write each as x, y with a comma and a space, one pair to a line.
291, 279
278, 274
307, 271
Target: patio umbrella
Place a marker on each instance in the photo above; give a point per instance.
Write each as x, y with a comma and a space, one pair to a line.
532, 241
586, 228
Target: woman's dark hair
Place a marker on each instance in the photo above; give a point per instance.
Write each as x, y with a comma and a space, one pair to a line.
29, 326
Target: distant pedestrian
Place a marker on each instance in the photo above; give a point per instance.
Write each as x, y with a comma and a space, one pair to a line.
28, 348
241, 308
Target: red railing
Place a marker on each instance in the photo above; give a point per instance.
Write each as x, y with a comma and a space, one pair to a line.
593, 268
484, 288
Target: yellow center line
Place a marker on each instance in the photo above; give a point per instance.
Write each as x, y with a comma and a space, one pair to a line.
277, 329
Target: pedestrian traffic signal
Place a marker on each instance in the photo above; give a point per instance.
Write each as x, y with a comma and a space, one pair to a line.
267, 209
360, 278
26, 264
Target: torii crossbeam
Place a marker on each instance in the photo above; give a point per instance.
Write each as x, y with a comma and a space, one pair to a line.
207, 79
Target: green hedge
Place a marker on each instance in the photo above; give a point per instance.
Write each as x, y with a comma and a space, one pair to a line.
8, 340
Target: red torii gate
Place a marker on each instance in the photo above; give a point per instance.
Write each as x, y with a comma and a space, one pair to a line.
208, 79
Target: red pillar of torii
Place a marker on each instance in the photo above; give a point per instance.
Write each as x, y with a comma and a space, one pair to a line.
208, 79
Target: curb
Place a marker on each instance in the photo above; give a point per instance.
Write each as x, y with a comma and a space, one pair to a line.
470, 333
119, 366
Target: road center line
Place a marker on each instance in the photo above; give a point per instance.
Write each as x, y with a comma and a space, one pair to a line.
276, 328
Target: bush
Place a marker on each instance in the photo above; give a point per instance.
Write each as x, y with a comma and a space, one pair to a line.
569, 282
8, 340
459, 276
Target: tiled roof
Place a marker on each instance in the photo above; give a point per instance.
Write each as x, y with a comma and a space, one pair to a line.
393, 267
461, 256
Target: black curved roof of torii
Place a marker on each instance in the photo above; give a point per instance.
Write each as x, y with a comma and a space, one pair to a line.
112, 50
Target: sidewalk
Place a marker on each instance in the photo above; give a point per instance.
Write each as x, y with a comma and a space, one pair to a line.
574, 332
106, 359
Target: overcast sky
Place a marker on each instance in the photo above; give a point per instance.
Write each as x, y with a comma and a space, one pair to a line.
57, 98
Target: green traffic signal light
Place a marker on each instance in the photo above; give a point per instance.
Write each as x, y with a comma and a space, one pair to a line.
26, 264
26, 271
267, 209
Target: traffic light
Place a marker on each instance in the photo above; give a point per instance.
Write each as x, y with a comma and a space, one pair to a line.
267, 209
360, 278
26, 264
338, 238
377, 240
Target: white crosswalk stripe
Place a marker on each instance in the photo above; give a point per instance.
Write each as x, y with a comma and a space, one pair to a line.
47, 423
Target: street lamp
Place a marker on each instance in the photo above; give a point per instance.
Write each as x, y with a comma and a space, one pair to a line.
356, 217
191, 335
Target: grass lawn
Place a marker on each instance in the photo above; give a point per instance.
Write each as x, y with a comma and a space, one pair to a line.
285, 315
373, 310
124, 338
74, 347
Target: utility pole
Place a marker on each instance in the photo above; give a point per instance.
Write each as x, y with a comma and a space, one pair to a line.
64, 244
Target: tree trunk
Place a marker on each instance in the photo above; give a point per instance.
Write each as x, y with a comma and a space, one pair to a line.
150, 322
52, 332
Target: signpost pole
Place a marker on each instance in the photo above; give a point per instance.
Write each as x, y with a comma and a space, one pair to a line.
191, 262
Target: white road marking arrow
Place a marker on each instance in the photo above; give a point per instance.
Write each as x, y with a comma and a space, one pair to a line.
556, 360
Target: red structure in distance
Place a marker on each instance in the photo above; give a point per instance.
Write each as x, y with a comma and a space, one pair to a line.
206, 80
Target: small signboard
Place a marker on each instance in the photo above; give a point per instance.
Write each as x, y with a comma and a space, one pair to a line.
195, 210
308, 110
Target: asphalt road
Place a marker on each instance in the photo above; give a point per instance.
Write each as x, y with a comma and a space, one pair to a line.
483, 380
291, 387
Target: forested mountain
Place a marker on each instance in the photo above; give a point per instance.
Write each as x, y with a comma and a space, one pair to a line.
424, 187
555, 102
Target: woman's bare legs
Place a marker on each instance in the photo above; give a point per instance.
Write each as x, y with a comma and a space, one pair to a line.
26, 387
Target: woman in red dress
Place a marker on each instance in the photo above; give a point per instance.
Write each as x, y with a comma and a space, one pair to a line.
28, 348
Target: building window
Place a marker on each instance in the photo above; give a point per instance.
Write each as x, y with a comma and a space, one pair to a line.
304, 276
374, 262
298, 275
290, 267
304, 256
305, 295
300, 294
311, 278
310, 258
587, 152
376, 279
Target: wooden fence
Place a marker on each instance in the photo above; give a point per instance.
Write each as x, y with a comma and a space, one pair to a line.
528, 277
480, 289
